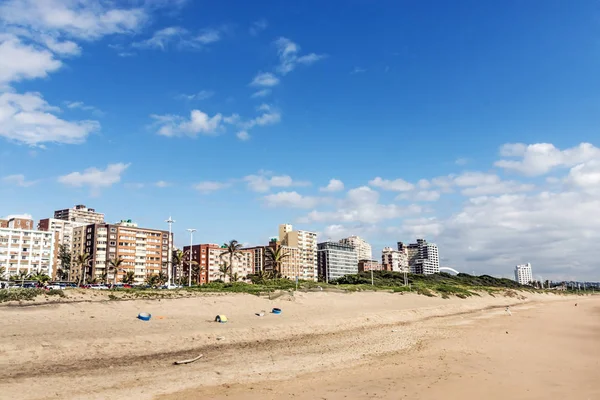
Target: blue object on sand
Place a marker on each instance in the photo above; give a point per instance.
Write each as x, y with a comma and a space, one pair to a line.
144, 316
276, 311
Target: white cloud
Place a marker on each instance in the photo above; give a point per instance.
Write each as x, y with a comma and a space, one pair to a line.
64, 48
500, 187
540, 158
476, 183
76, 18
19, 61
95, 178
261, 93
18, 180
208, 36
493, 234
586, 175
265, 79
422, 195
362, 205
264, 182
291, 200
210, 186
424, 184
335, 185
180, 38
162, 184
268, 117
19, 216
81, 106
258, 26
28, 118
357, 70
201, 95
289, 58
243, 135
198, 123
461, 161
398, 185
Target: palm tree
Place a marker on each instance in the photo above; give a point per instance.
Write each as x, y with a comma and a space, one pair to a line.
177, 260
129, 277
235, 277
275, 257
115, 265
39, 277
22, 275
224, 270
152, 280
82, 261
233, 249
2, 272
161, 278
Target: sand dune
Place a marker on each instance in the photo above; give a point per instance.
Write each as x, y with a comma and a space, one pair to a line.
100, 350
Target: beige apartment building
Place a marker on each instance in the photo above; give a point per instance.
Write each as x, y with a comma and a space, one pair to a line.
209, 257
361, 247
80, 213
144, 251
26, 250
306, 243
394, 260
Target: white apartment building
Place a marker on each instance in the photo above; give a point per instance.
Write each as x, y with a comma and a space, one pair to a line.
362, 248
26, 251
80, 213
423, 257
64, 230
394, 260
306, 242
336, 260
523, 274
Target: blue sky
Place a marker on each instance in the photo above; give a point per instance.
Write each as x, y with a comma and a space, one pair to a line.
471, 123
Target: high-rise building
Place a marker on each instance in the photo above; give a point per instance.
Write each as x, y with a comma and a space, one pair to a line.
394, 260
423, 257
362, 248
211, 257
306, 243
336, 260
144, 251
258, 256
17, 222
63, 235
80, 213
26, 250
523, 274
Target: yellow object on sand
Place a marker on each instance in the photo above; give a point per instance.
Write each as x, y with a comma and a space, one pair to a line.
221, 318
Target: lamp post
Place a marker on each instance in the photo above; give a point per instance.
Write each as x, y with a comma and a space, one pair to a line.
191, 231
170, 255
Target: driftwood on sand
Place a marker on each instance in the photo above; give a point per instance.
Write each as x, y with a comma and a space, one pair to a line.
191, 360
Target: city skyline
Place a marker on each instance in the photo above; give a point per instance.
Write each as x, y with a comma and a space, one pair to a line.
419, 121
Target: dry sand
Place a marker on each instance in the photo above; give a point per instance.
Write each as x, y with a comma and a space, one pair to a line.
323, 345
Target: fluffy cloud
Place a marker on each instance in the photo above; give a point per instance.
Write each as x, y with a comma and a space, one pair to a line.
362, 205
422, 195
335, 185
28, 118
261, 93
540, 158
243, 135
162, 184
586, 176
265, 79
95, 178
398, 185
210, 186
289, 58
76, 18
19, 61
263, 182
198, 123
18, 180
291, 200
81, 106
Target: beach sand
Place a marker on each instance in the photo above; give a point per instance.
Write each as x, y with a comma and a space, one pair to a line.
323, 346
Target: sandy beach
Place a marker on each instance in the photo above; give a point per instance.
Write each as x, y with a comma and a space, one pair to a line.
323, 345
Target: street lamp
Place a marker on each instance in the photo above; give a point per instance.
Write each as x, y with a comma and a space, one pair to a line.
170, 255
191, 231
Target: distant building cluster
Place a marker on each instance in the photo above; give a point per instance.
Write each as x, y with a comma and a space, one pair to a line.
146, 251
